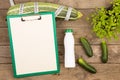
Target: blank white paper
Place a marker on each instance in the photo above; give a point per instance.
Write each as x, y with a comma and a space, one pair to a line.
34, 45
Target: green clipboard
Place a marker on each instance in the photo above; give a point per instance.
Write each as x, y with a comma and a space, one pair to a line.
33, 44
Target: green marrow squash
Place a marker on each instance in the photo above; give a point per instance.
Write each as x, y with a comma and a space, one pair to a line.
44, 7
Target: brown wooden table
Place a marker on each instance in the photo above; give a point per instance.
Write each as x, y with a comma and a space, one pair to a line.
82, 28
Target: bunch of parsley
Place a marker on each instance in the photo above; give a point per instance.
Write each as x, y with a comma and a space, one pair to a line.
106, 22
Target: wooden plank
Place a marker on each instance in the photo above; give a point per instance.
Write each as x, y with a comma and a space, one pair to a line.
4, 60
5, 3
114, 54
78, 32
83, 32
73, 3
3, 17
60, 23
104, 72
4, 39
82, 28
5, 67
5, 51
83, 3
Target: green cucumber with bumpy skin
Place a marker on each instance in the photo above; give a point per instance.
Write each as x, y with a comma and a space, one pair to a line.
104, 56
86, 46
86, 66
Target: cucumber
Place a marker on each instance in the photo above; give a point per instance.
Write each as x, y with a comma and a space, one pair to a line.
86, 66
104, 56
86, 46
44, 7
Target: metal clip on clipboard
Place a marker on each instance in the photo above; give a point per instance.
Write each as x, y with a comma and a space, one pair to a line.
31, 18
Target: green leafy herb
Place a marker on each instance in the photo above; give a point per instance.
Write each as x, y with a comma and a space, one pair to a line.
106, 22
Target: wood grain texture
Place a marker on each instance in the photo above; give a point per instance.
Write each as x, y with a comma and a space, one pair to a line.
84, 3
78, 32
82, 28
104, 72
2, 18
73, 3
4, 39
5, 3
114, 54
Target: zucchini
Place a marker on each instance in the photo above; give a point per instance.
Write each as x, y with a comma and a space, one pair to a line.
86, 46
43, 7
104, 56
86, 66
